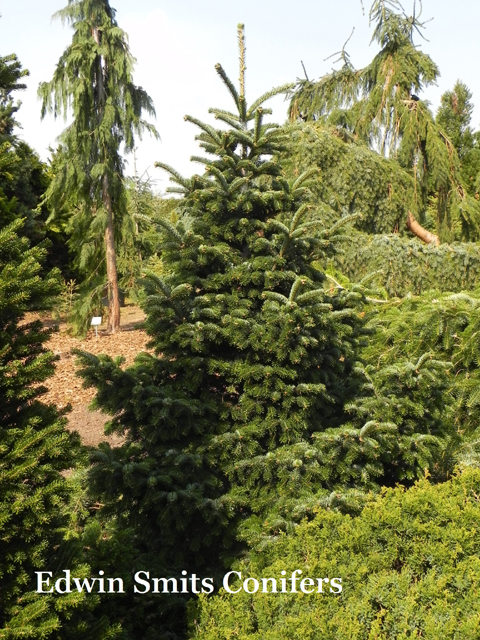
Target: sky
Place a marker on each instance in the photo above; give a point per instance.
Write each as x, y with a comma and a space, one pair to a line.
178, 42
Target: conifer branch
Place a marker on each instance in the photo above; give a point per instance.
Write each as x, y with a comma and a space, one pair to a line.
175, 176
228, 83
210, 131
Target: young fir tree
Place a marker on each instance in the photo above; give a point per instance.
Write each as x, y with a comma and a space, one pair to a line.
254, 353
94, 77
238, 427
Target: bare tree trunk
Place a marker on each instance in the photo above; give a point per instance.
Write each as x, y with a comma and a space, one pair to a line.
420, 232
111, 259
110, 253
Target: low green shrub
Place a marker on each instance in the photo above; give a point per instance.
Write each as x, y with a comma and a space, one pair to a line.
409, 563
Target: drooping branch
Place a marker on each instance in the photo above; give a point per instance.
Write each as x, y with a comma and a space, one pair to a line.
416, 228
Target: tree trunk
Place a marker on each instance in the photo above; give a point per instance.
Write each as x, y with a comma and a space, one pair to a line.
420, 232
110, 253
111, 259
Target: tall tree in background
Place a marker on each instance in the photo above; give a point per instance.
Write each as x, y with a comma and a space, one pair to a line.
380, 106
10, 73
94, 78
454, 116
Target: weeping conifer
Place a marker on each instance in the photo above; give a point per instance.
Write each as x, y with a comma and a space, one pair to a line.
94, 77
380, 105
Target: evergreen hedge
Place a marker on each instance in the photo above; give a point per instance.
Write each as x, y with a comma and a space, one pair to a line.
405, 265
409, 565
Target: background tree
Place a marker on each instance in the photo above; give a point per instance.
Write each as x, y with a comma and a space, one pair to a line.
10, 74
94, 78
454, 116
380, 106
25, 183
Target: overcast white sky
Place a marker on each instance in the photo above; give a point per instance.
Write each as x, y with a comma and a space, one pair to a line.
177, 43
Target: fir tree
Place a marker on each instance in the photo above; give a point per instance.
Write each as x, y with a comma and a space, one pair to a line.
94, 77
253, 412
255, 352
34, 444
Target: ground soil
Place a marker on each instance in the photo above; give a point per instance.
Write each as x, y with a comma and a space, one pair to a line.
65, 387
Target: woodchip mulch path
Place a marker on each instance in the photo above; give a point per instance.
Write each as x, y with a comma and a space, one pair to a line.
65, 387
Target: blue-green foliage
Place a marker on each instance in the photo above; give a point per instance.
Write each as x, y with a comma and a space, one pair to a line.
407, 266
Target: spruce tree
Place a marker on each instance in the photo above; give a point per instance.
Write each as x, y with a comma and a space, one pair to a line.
94, 77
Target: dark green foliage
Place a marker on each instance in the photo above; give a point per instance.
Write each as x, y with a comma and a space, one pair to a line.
409, 567
253, 355
35, 447
23, 177
34, 444
398, 426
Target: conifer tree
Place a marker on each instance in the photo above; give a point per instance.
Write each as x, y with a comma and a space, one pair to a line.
380, 105
34, 444
10, 74
94, 78
255, 352
24, 184
253, 413
454, 117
